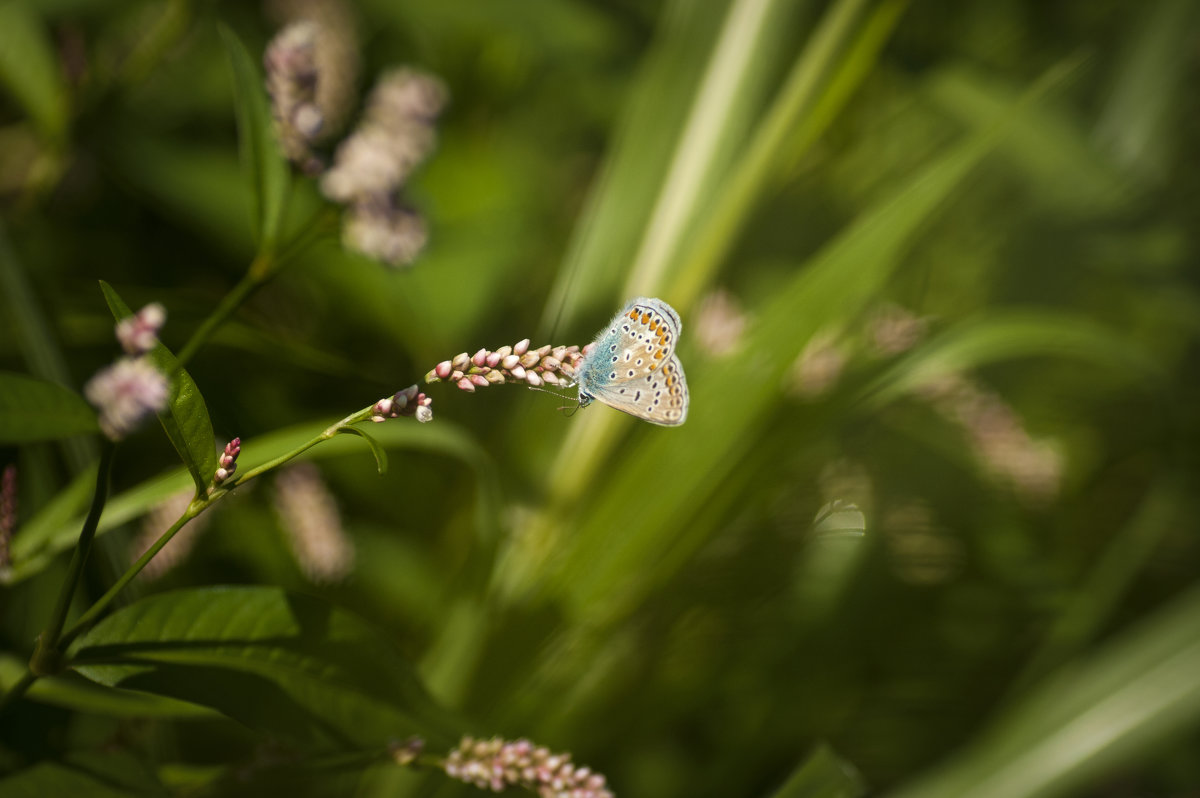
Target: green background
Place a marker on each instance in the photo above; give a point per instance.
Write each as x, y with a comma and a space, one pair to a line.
934, 505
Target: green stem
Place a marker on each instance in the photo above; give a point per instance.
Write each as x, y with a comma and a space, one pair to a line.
254, 277
17, 690
93, 612
44, 658
193, 510
326, 434
263, 268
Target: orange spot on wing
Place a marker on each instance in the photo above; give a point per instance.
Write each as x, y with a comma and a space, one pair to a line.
658, 355
645, 318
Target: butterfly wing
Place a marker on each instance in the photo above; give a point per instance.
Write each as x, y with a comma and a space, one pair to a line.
660, 397
633, 367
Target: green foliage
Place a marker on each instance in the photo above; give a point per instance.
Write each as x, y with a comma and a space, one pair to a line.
928, 530
278, 662
185, 419
260, 153
35, 410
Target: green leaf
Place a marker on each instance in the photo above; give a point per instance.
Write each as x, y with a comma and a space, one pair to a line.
185, 420
72, 692
36, 410
1011, 334
381, 461
29, 69
280, 662
1089, 720
822, 775
268, 170
56, 527
96, 774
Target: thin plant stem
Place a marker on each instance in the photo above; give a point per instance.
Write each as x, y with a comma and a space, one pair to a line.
48, 641
229, 303
194, 509
93, 612
264, 266
17, 690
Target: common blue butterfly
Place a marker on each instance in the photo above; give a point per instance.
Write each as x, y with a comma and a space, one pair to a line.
632, 364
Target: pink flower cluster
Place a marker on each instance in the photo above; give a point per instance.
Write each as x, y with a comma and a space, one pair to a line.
126, 393
496, 764
227, 463
8, 511
131, 389
138, 333
291, 67
408, 402
555, 365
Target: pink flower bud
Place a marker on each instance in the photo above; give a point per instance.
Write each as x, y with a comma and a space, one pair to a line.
443, 369
521, 347
480, 358
461, 361
533, 379
518, 371
493, 359
479, 380
551, 363
510, 362
494, 377
466, 385
550, 377
530, 359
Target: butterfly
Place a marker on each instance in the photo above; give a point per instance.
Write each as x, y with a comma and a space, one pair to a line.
632, 365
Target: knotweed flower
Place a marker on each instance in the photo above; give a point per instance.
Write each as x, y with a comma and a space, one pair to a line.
227, 462
497, 764
554, 365
893, 329
126, 393
139, 333
372, 165
999, 439
409, 402
720, 323
334, 55
395, 136
8, 511
309, 515
291, 66
385, 230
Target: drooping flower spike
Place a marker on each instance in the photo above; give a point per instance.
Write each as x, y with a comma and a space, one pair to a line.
554, 365
408, 402
497, 764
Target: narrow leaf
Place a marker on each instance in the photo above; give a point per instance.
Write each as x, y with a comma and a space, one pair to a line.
822, 775
1088, 720
29, 69
36, 410
185, 420
268, 169
381, 461
96, 774
56, 527
280, 662
72, 692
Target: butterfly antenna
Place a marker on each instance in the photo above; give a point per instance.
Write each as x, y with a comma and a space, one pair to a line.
560, 396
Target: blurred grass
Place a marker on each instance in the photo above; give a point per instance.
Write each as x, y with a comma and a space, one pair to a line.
1014, 177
